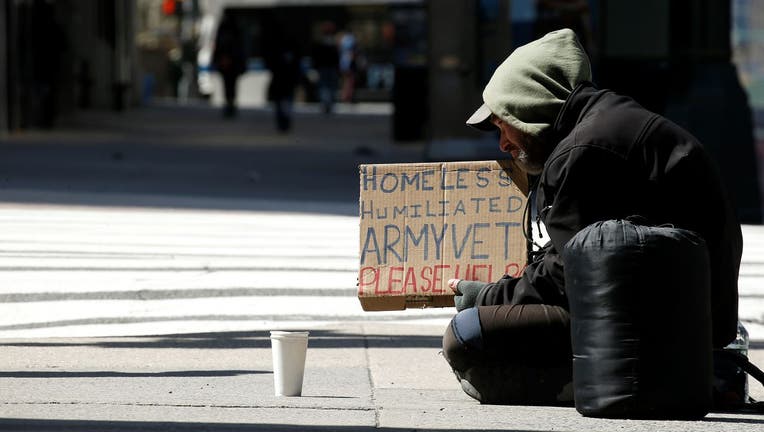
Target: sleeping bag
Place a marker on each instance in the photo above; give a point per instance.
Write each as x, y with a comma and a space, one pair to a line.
640, 321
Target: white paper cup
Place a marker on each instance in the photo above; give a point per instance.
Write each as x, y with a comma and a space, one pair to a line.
288, 349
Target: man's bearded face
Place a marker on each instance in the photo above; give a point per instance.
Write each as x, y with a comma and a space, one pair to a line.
526, 150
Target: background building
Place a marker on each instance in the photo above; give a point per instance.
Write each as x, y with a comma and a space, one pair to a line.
60, 56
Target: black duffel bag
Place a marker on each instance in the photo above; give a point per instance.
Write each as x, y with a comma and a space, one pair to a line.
640, 321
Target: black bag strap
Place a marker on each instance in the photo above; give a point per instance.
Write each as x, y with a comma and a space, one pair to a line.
743, 363
749, 367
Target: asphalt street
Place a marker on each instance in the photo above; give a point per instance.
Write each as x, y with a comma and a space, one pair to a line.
176, 153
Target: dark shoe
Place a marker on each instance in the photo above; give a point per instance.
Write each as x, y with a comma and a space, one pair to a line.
518, 385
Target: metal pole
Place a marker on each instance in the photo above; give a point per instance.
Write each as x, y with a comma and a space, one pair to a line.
4, 32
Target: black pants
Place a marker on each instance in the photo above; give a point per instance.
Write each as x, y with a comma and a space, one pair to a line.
513, 354
229, 87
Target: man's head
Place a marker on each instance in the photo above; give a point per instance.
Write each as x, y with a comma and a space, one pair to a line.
528, 151
526, 92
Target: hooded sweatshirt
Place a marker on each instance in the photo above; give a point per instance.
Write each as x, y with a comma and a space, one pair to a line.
529, 88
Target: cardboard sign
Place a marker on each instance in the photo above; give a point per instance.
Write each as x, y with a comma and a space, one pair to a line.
422, 224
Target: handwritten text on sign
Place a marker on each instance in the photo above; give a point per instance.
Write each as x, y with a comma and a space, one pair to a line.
426, 223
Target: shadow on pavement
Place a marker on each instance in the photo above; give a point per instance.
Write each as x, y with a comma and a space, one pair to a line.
113, 374
733, 420
240, 340
129, 426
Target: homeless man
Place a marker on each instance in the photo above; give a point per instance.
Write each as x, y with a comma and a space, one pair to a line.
597, 155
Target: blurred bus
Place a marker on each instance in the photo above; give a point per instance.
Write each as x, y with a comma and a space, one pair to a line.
372, 22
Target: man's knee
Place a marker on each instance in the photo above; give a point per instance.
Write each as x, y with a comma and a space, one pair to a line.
463, 341
533, 334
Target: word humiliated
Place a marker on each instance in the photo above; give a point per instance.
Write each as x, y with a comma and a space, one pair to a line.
441, 208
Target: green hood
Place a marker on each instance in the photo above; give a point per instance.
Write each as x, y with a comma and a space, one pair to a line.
529, 88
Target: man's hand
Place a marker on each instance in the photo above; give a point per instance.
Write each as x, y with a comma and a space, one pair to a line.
466, 292
454, 284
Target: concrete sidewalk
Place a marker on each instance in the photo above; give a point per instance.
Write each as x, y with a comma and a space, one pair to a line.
360, 376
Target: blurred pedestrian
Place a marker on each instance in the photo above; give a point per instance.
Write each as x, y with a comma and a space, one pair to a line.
48, 46
229, 59
283, 61
348, 66
326, 59
174, 70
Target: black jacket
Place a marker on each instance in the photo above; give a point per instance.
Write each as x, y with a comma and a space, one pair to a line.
615, 159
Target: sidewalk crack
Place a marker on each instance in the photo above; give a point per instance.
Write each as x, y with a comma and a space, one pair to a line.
373, 395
